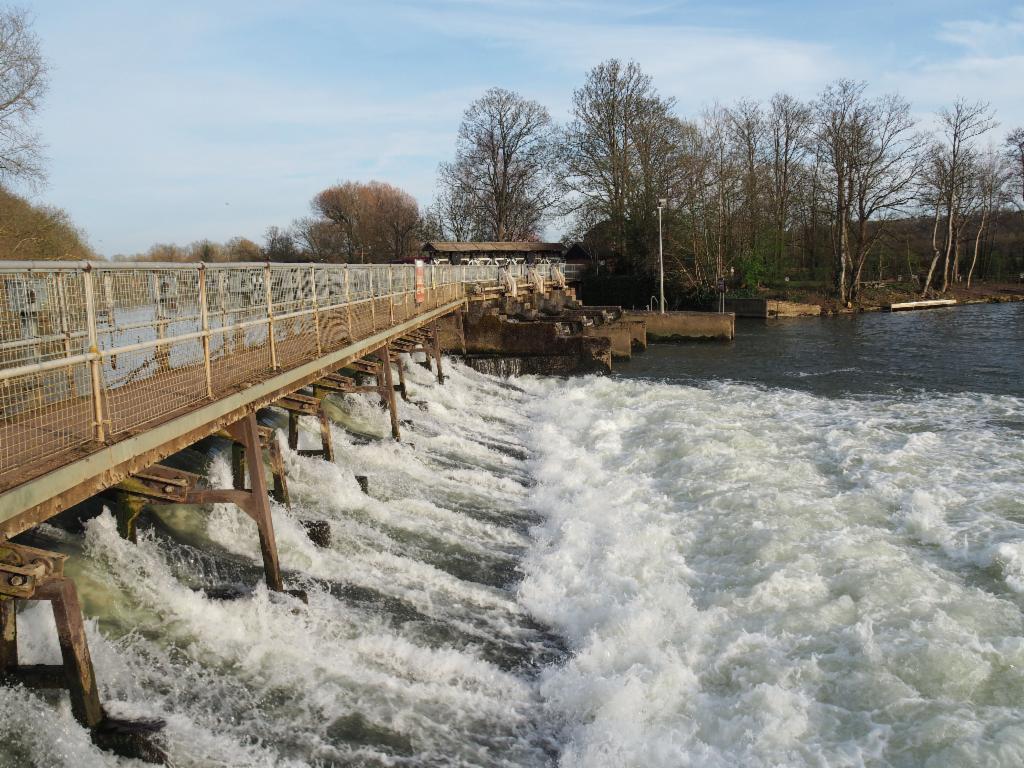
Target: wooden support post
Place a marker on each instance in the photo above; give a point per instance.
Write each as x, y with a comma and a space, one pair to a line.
257, 505
437, 352
8, 635
379, 379
401, 378
280, 491
74, 650
127, 508
237, 466
325, 434
293, 430
389, 390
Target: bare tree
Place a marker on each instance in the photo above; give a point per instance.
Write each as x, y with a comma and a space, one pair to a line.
598, 147
280, 245
871, 157
503, 164
371, 221
1015, 154
746, 128
453, 217
991, 177
953, 156
22, 86
788, 124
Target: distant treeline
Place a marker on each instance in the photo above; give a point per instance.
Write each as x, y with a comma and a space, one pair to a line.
34, 232
842, 189
351, 222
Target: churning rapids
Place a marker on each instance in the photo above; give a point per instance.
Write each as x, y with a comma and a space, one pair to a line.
780, 553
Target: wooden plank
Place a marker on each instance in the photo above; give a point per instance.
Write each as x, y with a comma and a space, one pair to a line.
926, 304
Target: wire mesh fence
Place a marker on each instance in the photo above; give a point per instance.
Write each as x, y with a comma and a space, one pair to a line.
91, 353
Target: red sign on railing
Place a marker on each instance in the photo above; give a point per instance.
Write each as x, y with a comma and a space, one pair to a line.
421, 289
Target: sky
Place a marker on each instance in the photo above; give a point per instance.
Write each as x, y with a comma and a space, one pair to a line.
177, 121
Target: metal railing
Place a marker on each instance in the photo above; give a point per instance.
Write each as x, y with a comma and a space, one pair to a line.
90, 352
574, 271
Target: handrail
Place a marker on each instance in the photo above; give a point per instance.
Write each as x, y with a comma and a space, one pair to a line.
92, 351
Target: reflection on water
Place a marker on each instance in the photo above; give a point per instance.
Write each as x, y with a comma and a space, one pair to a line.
977, 348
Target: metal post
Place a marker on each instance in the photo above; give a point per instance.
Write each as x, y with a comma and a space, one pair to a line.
316, 310
391, 293
270, 316
373, 304
65, 329
661, 259
348, 307
204, 318
160, 352
95, 371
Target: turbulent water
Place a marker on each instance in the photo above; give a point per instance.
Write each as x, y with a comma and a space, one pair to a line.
782, 552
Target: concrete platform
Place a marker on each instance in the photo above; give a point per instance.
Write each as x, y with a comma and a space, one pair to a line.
686, 325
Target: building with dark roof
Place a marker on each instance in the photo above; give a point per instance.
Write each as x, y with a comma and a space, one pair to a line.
457, 253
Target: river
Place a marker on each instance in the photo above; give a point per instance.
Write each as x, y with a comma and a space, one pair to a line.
805, 548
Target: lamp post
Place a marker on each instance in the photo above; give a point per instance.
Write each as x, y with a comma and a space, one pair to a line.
661, 254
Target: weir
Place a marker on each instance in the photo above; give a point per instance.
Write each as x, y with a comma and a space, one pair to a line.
108, 370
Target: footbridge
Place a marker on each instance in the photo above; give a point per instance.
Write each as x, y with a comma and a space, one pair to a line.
107, 369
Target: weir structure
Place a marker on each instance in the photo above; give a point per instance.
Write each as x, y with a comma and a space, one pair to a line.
107, 369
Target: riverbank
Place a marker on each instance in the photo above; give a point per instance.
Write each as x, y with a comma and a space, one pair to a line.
876, 297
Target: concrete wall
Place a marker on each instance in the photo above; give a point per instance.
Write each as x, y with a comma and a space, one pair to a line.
619, 335
747, 307
686, 325
763, 308
792, 309
490, 335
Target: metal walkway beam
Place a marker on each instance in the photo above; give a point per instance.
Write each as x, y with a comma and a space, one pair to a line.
43, 497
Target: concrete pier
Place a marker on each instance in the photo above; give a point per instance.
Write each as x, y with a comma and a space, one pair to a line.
673, 326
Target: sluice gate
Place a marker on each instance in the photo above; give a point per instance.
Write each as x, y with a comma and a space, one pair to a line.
106, 370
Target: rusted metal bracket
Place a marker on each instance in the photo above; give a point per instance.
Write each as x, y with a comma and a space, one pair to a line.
23, 569
299, 405
156, 484
364, 366
270, 442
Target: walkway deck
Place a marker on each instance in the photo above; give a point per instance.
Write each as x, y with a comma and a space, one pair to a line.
106, 369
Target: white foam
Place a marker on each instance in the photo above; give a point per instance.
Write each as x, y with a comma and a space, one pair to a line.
764, 577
